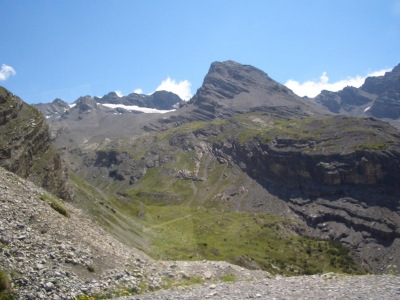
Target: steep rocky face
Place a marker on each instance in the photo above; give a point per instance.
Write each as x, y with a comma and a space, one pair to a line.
230, 88
387, 105
345, 189
378, 97
380, 84
58, 106
349, 101
340, 175
85, 104
25, 146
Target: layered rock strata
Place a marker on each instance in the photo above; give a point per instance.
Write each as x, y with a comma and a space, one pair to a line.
25, 146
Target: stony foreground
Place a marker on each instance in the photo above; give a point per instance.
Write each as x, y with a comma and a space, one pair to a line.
302, 287
50, 256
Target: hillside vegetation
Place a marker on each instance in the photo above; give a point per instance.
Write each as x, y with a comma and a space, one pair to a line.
174, 196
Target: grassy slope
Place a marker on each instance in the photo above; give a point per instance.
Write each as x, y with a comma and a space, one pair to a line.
172, 218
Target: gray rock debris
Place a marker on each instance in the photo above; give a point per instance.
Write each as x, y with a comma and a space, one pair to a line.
50, 256
301, 287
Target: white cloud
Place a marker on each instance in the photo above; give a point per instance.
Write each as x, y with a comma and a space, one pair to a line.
119, 94
182, 89
312, 88
138, 91
6, 71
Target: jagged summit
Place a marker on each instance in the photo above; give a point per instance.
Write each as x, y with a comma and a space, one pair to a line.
380, 84
230, 88
58, 106
161, 100
378, 97
242, 86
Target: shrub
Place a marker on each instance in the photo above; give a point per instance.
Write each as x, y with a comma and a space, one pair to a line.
90, 268
4, 281
58, 207
228, 278
5, 287
333, 251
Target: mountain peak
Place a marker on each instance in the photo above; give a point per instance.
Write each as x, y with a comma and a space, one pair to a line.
379, 97
231, 87
379, 84
396, 69
238, 71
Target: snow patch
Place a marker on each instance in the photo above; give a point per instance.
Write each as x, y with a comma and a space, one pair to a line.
367, 109
137, 108
72, 105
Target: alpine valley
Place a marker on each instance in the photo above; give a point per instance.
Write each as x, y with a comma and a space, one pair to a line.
245, 172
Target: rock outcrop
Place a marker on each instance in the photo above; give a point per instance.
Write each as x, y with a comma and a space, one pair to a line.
25, 147
378, 97
343, 185
231, 88
57, 107
340, 175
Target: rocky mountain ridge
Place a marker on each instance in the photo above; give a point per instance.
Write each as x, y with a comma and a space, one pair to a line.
58, 106
339, 175
26, 148
378, 97
336, 174
159, 100
229, 88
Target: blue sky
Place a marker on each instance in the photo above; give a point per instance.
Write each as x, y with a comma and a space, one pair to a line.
67, 49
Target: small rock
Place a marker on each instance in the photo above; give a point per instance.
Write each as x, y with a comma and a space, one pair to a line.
207, 275
48, 286
4, 240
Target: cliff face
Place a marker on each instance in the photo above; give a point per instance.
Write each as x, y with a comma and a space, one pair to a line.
230, 88
340, 175
25, 147
378, 97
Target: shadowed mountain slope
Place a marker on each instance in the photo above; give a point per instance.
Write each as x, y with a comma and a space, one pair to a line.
338, 176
